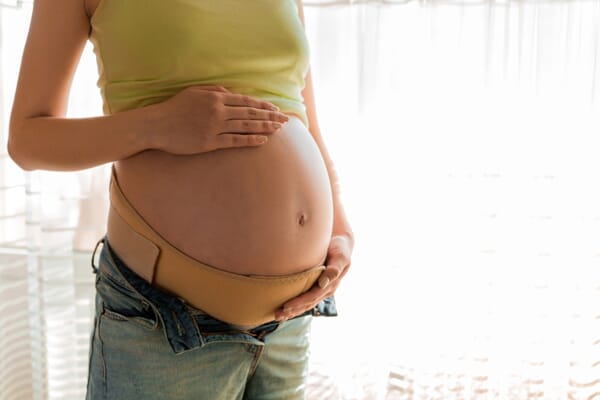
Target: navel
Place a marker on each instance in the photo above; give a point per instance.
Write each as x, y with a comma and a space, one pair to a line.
301, 218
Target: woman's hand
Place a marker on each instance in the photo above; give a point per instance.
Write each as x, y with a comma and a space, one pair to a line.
337, 264
199, 119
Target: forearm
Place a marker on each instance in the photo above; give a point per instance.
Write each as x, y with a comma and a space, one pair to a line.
71, 144
341, 225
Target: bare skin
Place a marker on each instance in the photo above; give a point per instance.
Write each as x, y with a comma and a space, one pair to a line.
201, 179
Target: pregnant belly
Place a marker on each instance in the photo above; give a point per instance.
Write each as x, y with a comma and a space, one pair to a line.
251, 210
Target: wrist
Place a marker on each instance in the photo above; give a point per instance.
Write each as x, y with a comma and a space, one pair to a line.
151, 134
347, 236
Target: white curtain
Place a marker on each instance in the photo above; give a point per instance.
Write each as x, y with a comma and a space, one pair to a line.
466, 136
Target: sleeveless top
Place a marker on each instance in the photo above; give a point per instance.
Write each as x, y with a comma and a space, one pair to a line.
148, 50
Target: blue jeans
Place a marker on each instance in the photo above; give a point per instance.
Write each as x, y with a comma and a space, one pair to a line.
147, 344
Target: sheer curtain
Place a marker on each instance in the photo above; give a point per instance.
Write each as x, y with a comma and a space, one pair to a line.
466, 136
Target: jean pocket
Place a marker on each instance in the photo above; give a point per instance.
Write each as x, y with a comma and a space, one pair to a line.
123, 304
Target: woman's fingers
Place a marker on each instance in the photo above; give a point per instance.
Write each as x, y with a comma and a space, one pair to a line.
338, 263
226, 140
254, 113
240, 100
250, 126
242, 133
305, 301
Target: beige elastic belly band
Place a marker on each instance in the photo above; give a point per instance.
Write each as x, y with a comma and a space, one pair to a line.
244, 300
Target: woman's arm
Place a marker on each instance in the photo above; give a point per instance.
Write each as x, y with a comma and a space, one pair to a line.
39, 136
195, 120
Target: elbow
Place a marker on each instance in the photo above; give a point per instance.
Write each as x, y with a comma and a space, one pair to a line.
18, 158
18, 152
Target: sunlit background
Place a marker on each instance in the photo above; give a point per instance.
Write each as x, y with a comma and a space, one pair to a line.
467, 140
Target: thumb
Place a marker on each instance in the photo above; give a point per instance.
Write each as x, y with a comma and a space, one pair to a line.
331, 273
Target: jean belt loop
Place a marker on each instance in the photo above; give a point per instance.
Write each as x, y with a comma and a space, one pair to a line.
94, 267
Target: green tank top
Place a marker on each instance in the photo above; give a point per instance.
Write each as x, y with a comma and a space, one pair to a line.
148, 50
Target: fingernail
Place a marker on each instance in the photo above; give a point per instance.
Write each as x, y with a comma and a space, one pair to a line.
277, 125
323, 282
282, 317
274, 108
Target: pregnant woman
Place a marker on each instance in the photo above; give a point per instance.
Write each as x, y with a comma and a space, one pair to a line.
225, 233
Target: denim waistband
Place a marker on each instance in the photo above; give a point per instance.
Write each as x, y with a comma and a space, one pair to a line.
187, 328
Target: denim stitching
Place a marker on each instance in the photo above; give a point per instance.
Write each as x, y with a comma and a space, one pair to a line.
141, 321
258, 352
102, 359
180, 329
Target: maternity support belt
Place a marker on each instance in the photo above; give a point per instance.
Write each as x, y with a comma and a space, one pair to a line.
245, 300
